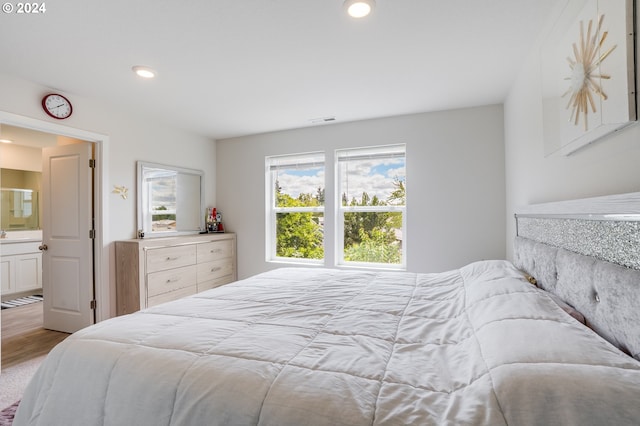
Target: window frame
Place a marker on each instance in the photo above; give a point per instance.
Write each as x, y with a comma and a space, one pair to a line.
370, 152
288, 161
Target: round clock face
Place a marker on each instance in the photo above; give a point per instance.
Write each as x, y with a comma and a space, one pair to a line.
57, 106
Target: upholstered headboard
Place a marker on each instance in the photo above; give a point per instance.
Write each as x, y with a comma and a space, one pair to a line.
608, 295
588, 253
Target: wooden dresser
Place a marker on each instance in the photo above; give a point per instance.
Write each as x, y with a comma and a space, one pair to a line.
157, 270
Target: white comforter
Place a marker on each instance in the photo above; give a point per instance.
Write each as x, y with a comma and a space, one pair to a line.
295, 346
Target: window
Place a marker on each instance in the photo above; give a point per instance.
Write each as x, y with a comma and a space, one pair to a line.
161, 203
370, 208
371, 215
295, 208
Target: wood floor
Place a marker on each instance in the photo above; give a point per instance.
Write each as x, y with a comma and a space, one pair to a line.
23, 337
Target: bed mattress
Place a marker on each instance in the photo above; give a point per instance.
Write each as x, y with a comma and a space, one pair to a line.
303, 346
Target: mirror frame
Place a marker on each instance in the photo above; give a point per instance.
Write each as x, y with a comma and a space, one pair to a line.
148, 233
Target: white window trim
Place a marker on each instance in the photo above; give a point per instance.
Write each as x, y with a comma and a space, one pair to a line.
359, 154
278, 163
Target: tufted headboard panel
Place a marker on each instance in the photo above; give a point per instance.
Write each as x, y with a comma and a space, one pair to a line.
608, 295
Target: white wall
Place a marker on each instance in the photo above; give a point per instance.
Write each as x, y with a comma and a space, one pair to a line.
455, 183
20, 157
132, 137
609, 166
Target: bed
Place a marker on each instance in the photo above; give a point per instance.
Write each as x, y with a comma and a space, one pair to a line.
551, 338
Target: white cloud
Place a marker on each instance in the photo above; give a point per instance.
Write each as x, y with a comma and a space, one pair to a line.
378, 185
296, 185
374, 177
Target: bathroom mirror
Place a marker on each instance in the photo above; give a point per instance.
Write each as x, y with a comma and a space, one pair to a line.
20, 210
170, 200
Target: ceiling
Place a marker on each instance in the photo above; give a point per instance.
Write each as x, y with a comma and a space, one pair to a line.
27, 137
236, 67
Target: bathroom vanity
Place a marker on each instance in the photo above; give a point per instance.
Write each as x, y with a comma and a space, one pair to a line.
20, 263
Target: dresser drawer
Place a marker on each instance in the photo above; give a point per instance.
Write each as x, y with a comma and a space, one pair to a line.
171, 280
164, 258
215, 250
216, 269
172, 295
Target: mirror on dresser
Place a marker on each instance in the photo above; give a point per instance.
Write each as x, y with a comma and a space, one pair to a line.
170, 200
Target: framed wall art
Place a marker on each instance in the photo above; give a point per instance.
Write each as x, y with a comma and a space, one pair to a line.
588, 74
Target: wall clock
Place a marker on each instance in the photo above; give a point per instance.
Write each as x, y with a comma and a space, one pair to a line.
57, 106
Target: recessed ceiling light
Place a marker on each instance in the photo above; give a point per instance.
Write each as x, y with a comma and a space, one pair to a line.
144, 72
6, 141
359, 8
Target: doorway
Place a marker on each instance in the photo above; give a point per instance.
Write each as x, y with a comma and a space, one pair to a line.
99, 142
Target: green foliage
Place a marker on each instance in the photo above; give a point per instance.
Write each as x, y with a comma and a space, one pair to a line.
355, 223
303, 200
374, 247
299, 235
368, 236
371, 236
156, 217
398, 196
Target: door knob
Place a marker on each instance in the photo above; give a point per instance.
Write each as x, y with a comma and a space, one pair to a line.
43, 247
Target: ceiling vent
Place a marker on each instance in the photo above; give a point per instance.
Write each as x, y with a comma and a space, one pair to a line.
321, 120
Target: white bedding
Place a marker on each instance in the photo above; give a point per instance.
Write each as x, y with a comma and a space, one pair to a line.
475, 346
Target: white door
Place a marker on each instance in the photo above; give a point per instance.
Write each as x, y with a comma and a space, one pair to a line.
67, 247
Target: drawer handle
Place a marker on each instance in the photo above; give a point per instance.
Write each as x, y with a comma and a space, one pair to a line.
171, 280
217, 268
215, 250
169, 258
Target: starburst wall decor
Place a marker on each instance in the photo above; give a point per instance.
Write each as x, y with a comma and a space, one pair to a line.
585, 76
588, 74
